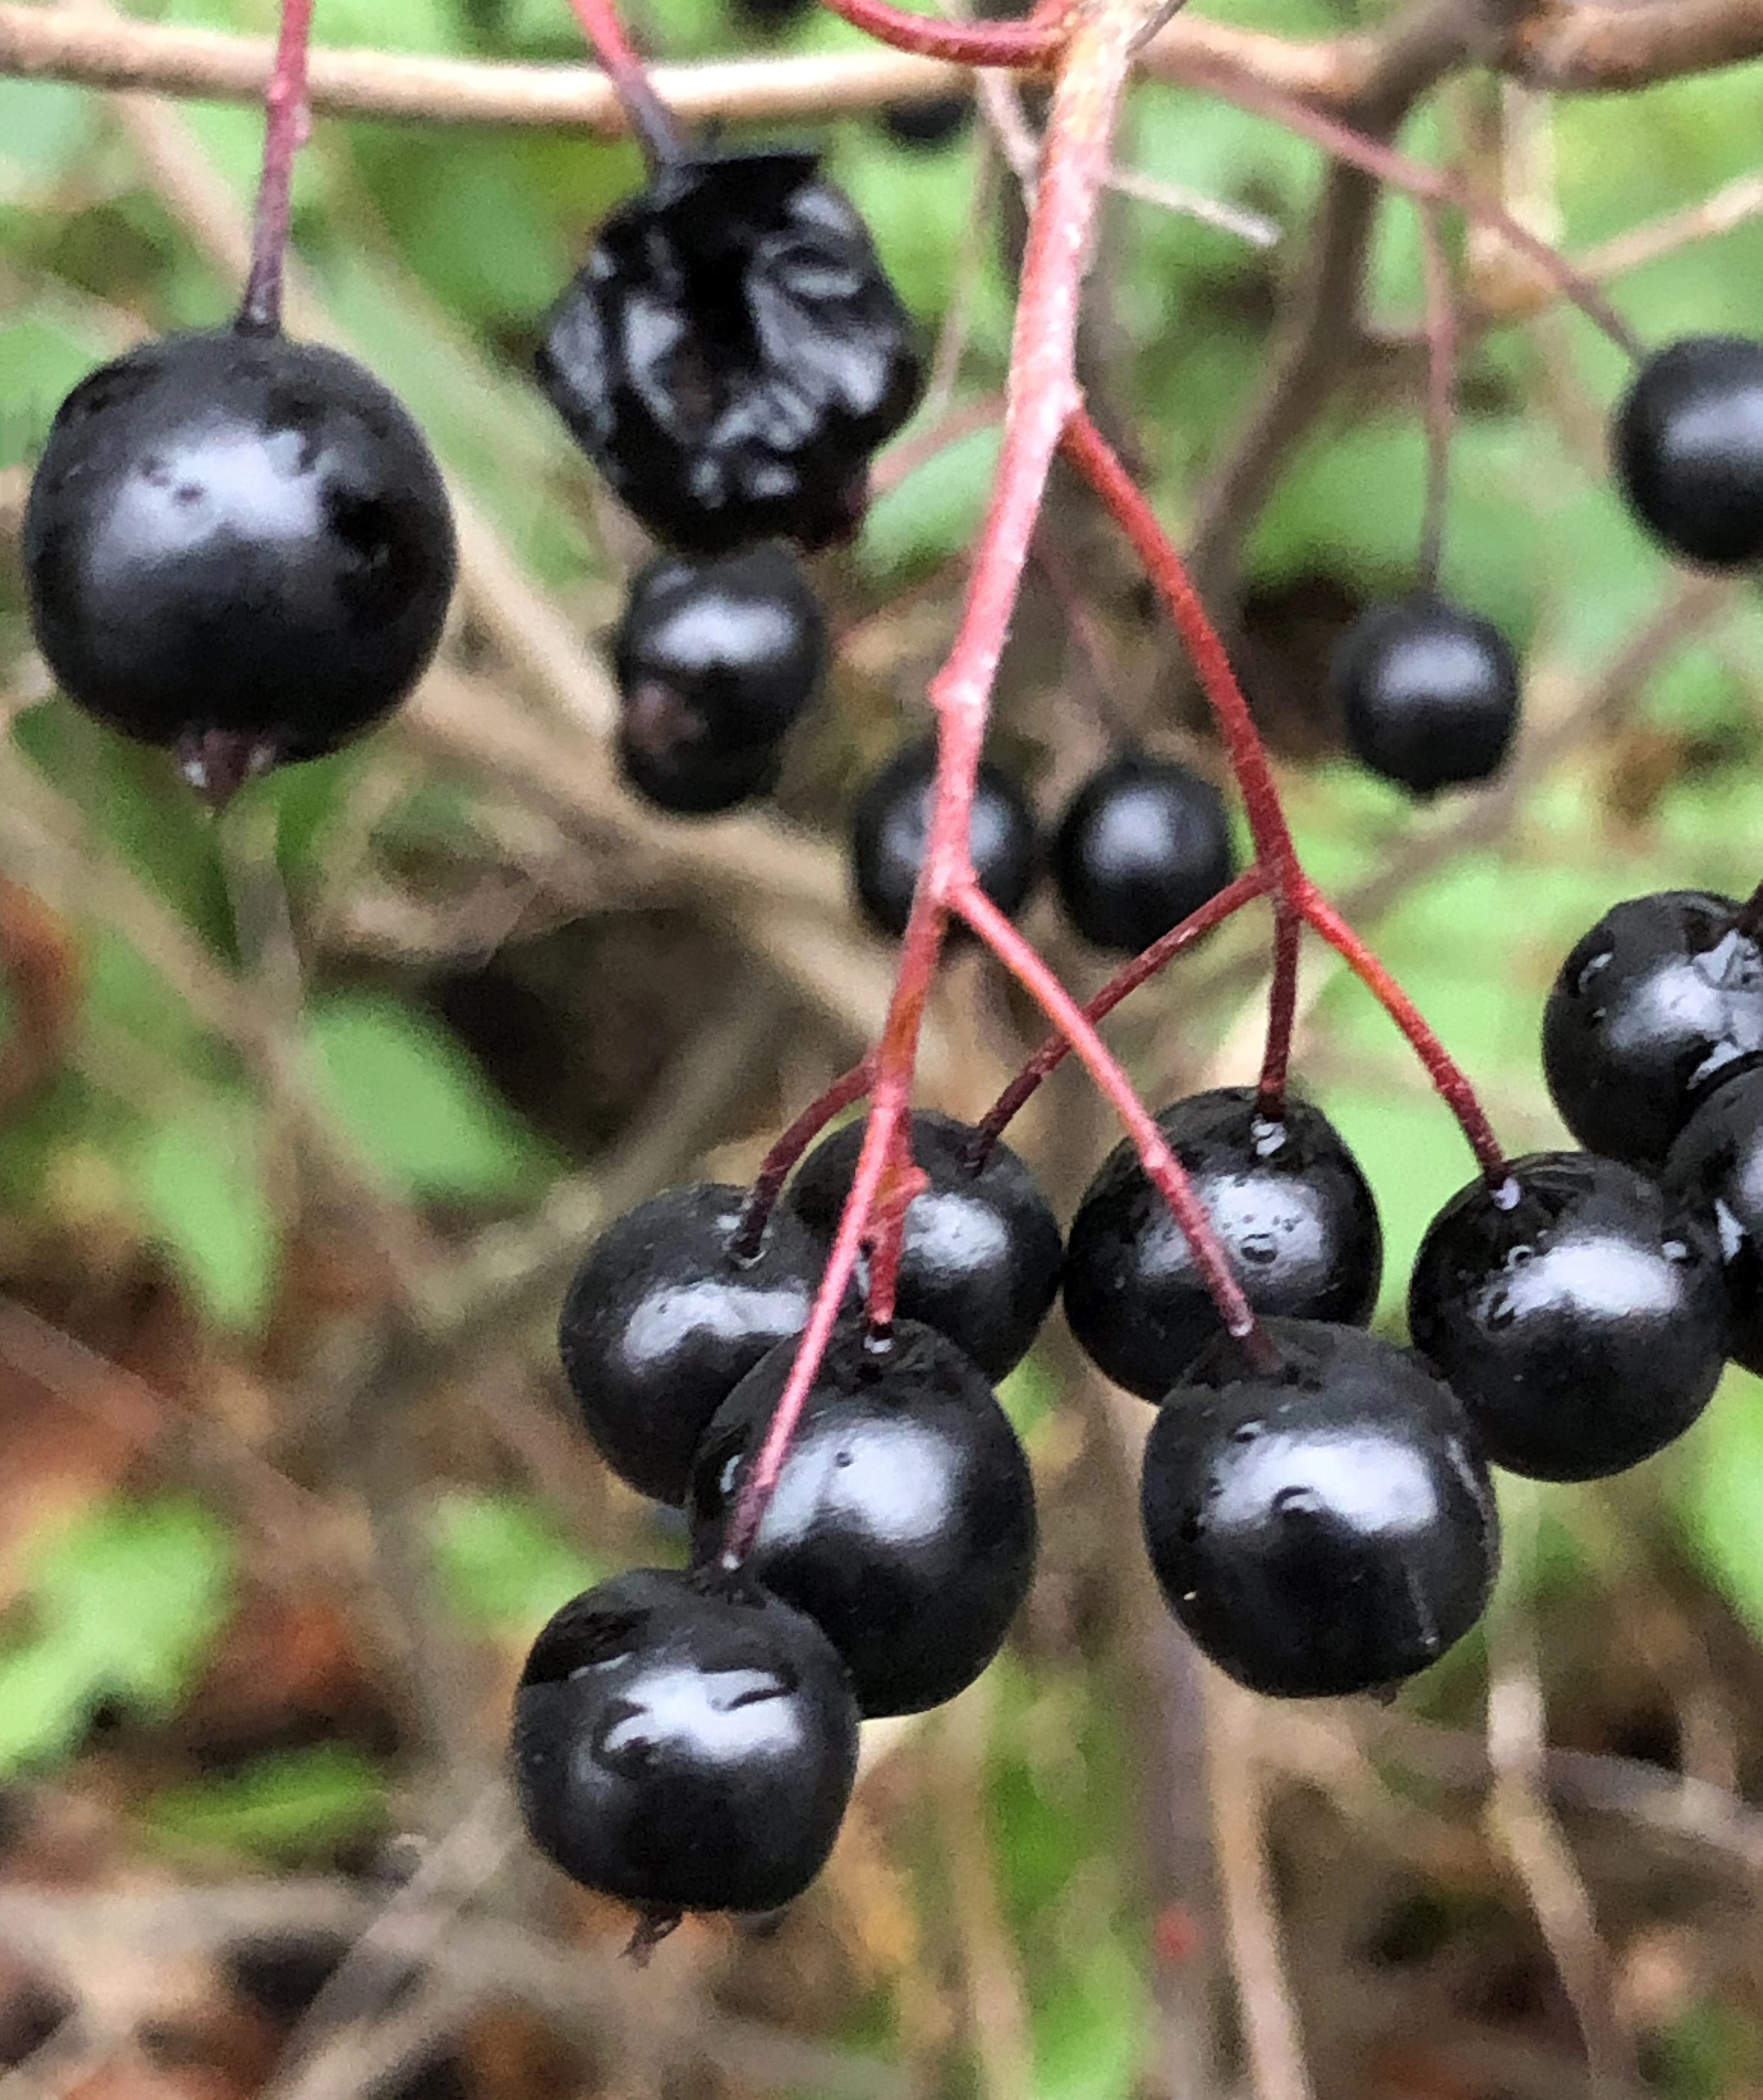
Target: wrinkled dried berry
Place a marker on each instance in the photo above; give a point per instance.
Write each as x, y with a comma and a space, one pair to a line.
731, 353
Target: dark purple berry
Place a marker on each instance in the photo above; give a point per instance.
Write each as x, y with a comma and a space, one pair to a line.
684, 1745
1287, 1200
980, 1259
1662, 1000
715, 660
1577, 1313
903, 1520
923, 126
1325, 1527
1429, 693
1142, 843
890, 827
667, 1314
1715, 1169
1689, 448
236, 546
731, 353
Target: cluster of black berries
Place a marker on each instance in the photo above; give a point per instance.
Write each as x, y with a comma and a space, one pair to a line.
730, 356
238, 547
688, 1740
1142, 842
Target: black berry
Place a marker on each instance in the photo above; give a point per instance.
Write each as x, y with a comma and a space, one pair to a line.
1577, 1313
1689, 448
1429, 693
1661, 1000
890, 827
923, 126
1287, 1200
1142, 843
981, 1253
715, 660
667, 1313
1716, 1168
236, 546
1325, 1527
903, 1520
731, 353
684, 1745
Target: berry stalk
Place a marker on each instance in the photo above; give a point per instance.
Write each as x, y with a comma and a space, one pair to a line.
287, 123
775, 1168
1006, 45
1165, 1172
1041, 397
652, 123
1441, 392
1251, 883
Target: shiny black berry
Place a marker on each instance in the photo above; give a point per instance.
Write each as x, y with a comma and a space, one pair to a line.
1662, 1000
1715, 1169
923, 126
731, 353
684, 1745
1325, 1527
903, 1520
982, 1251
1577, 1312
1429, 693
666, 1314
1288, 1199
1689, 448
1142, 843
238, 547
715, 660
890, 827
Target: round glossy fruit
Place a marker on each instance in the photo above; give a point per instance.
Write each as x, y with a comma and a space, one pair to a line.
683, 1744
1428, 693
665, 1317
980, 1258
1662, 1000
1142, 843
923, 126
903, 1519
739, 644
1324, 1527
233, 536
1689, 448
1288, 1199
715, 660
1577, 1314
1715, 1169
890, 824
732, 353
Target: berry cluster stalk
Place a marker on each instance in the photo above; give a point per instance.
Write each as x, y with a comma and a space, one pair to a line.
287, 121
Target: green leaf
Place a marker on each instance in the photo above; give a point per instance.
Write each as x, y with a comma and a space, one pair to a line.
197, 1176
288, 1804
417, 1107
124, 1604
502, 1560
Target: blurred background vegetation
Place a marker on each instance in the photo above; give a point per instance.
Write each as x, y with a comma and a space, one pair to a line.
305, 1113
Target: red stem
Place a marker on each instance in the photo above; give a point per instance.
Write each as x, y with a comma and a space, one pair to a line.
1165, 1172
287, 121
1441, 390
1397, 171
1052, 1053
1095, 460
1042, 394
1442, 1068
652, 123
1005, 45
774, 1169
1282, 1007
